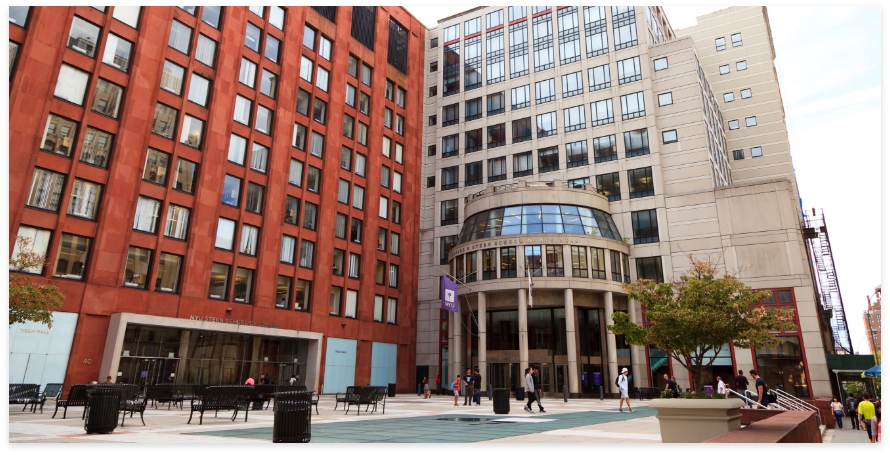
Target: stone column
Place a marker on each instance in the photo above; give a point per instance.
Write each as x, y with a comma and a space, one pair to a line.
452, 348
522, 293
458, 345
636, 367
481, 304
571, 347
610, 344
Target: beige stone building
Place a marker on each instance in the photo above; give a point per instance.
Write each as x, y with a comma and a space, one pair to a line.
588, 147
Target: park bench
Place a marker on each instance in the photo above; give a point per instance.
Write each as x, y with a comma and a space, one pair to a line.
648, 393
352, 393
184, 392
163, 393
262, 393
132, 402
77, 396
27, 394
221, 398
368, 396
52, 390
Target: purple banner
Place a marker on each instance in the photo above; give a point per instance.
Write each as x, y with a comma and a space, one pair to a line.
449, 295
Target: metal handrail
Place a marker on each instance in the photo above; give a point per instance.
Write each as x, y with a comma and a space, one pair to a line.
803, 405
747, 400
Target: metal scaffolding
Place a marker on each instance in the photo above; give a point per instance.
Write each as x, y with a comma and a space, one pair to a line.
815, 233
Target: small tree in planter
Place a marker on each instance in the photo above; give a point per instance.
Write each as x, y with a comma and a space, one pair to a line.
694, 317
30, 301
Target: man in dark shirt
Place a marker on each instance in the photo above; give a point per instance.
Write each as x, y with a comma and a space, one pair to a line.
669, 385
477, 386
741, 385
537, 383
853, 411
468, 388
760, 385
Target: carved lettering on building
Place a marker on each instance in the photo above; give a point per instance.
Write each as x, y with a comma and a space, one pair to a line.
234, 321
513, 241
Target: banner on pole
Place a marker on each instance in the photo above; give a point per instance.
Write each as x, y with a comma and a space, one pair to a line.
449, 295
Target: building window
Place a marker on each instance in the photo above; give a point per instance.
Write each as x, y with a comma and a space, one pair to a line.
271, 49
210, 15
364, 20
360, 161
645, 226
84, 201
598, 263
310, 214
533, 263
71, 85
391, 305
136, 273
351, 303
738, 154
605, 149
394, 243
545, 91
724, 69
750, 121
396, 215
473, 140
736, 39
508, 262
756, 152
519, 49
661, 63
728, 97
18, 15
378, 307
393, 276
449, 178
546, 124
629, 70
358, 197
231, 190
489, 264
343, 192
340, 226
446, 243
83, 37
380, 273
39, 244
282, 291
268, 84
665, 98
302, 295
497, 169
199, 89
355, 261
741, 66
519, 97
383, 208
58, 135
254, 201
219, 277
522, 130
548, 159
669, 136
252, 37
338, 262
495, 103
147, 211
641, 183
473, 173
650, 269
362, 133
386, 146
579, 261
609, 185
448, 212
335, 301
192, 131
624, 27
205, 50
319, 111
248, 239
578, 183
615, 262
473, 111
225, 234
720, 43
746, 93
450, 115
243, 106
522, 164
107, 98
291, 210
307, 253
243, 284
574, 118
555, 263
632, 106
295, 173
601, 113
569, 44
636, 143
156, 167
572, 84
71, 260
542, 28
496, 136
733, 124
247, 73
180, 37
397, 49
176, 225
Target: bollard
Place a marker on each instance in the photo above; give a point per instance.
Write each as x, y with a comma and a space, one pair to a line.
489, 392
601, 393
419, 389
565, 394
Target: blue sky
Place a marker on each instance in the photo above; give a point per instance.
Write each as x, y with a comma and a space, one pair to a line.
828, 59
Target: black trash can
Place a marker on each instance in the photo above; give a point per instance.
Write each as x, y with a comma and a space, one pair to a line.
520, 394
104, 403
392, 390
293, 419
501, 401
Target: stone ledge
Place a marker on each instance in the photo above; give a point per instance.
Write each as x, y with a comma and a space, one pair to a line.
786, 427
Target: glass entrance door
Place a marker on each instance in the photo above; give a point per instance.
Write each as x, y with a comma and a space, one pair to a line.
499, 375
561, 381
148, 370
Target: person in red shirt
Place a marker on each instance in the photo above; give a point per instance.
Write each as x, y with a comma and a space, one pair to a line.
438, 384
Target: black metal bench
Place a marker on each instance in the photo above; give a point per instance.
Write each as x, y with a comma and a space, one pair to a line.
27, 394
163, 393
52, 390
368, 396
77, 396
132, 402
352, 393
262, 393
221, 398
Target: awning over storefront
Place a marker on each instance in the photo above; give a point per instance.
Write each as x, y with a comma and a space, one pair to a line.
873, 372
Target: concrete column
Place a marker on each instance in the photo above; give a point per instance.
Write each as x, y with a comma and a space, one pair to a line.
452, 349
636, 370
610, 343
458, 345
571, 347
522, 293
482, 301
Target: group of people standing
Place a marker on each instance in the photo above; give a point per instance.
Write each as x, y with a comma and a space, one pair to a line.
864, 413
470, 383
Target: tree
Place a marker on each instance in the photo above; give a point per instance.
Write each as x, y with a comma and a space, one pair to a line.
693, 318
30, 301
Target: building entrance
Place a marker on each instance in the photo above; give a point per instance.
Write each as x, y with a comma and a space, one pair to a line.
148, 370
503, 375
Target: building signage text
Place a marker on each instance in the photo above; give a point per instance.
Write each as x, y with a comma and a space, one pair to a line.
234, 321
513, 241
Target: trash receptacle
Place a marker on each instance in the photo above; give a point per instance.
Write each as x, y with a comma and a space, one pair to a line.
392, 390
293, 419
501, 401
103, 403
520, 394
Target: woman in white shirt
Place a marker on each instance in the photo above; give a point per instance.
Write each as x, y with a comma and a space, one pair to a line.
721, 386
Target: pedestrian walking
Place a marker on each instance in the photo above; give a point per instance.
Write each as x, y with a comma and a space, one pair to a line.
468, 388
622, 389
676, 391
853, 412
477, 386
838, 408
529, 390
537, 381
456, 387
741, 386
438, 384
760, 386
426, 388
721, 387
867, 417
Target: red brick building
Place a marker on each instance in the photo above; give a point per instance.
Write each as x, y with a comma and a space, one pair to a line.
196, 174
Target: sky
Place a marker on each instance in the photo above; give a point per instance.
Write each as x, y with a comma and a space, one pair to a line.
828, 60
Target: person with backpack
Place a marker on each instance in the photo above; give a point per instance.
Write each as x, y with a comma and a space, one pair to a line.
852, 410
621, 382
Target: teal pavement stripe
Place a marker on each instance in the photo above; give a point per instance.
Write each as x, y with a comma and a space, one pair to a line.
419, 429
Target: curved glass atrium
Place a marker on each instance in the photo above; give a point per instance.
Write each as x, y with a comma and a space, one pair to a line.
539, 219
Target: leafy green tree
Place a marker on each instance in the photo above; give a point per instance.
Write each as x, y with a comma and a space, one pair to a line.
28, 300
693, 318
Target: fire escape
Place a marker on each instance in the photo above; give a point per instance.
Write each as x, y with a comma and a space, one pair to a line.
815, 233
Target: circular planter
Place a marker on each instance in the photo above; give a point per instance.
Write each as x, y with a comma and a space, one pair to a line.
691, 420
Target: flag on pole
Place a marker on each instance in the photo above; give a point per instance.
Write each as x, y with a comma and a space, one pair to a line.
449, 295
531, 285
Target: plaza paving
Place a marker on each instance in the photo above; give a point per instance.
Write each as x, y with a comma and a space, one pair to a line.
408, 419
